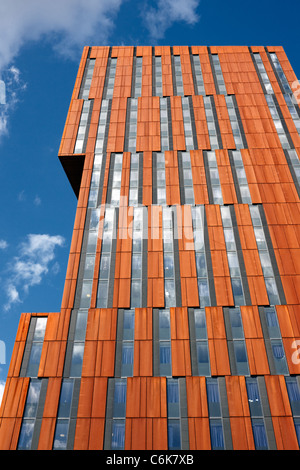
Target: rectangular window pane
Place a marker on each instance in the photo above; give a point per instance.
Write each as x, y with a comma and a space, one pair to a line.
294, 394
241, 357
118, 434
127, 359
40, 328
216, 434
174, 440
65, 400
26, 433
213, 398
173, 398
34, 360
203, 358
128, 325
279, 357
32, 399
136, 294
119, 405
259, 434
236, 323
253, 397
200, 324
165, 358
164, 324
61, 434
77, 358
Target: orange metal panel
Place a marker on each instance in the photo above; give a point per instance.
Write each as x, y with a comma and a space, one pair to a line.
181, 360
285, 433
199, 434
142, 358
278, 396
241, 432
196, 397
237, 396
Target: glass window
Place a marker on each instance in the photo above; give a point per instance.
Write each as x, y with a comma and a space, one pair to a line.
233, 264
65, 400
297, 428
201, 264
89, 267
40, 328
213, 397
236, 323
170, 299
279, 356
200, 324
272, 291
253, 397
127, 359
128, 332
86, 293
77, 358
118, 434
136, 294
294, 394
81, 323
102, 294
237, 290
119, 405
203, 358
61, 434
229, 239
34, 359
216, 434
173, 398
26, 434
272, 322
259, 434
165, 358
164, 324
136, 267
32, 399
203, 290
174, 440
241, 357
92, 242
168, 265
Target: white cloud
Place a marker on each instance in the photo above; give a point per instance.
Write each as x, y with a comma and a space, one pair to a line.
37, 201
12, 85
159, 19
70, 24
31, 265
3, 244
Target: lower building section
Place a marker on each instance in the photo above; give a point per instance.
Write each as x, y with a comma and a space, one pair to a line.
154, 379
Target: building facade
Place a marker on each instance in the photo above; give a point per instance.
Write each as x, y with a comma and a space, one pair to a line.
179, 325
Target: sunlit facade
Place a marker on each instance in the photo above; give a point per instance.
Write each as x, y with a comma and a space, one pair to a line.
179, 326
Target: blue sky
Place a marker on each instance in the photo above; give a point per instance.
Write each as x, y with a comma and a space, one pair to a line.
40, 48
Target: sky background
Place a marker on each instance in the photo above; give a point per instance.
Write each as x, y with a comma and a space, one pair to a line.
40, 48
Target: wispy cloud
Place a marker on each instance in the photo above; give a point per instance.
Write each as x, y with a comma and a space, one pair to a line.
167, 12
3, 244
68, 25
33, 262
11, 86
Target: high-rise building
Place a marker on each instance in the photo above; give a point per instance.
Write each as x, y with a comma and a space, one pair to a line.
179, 325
